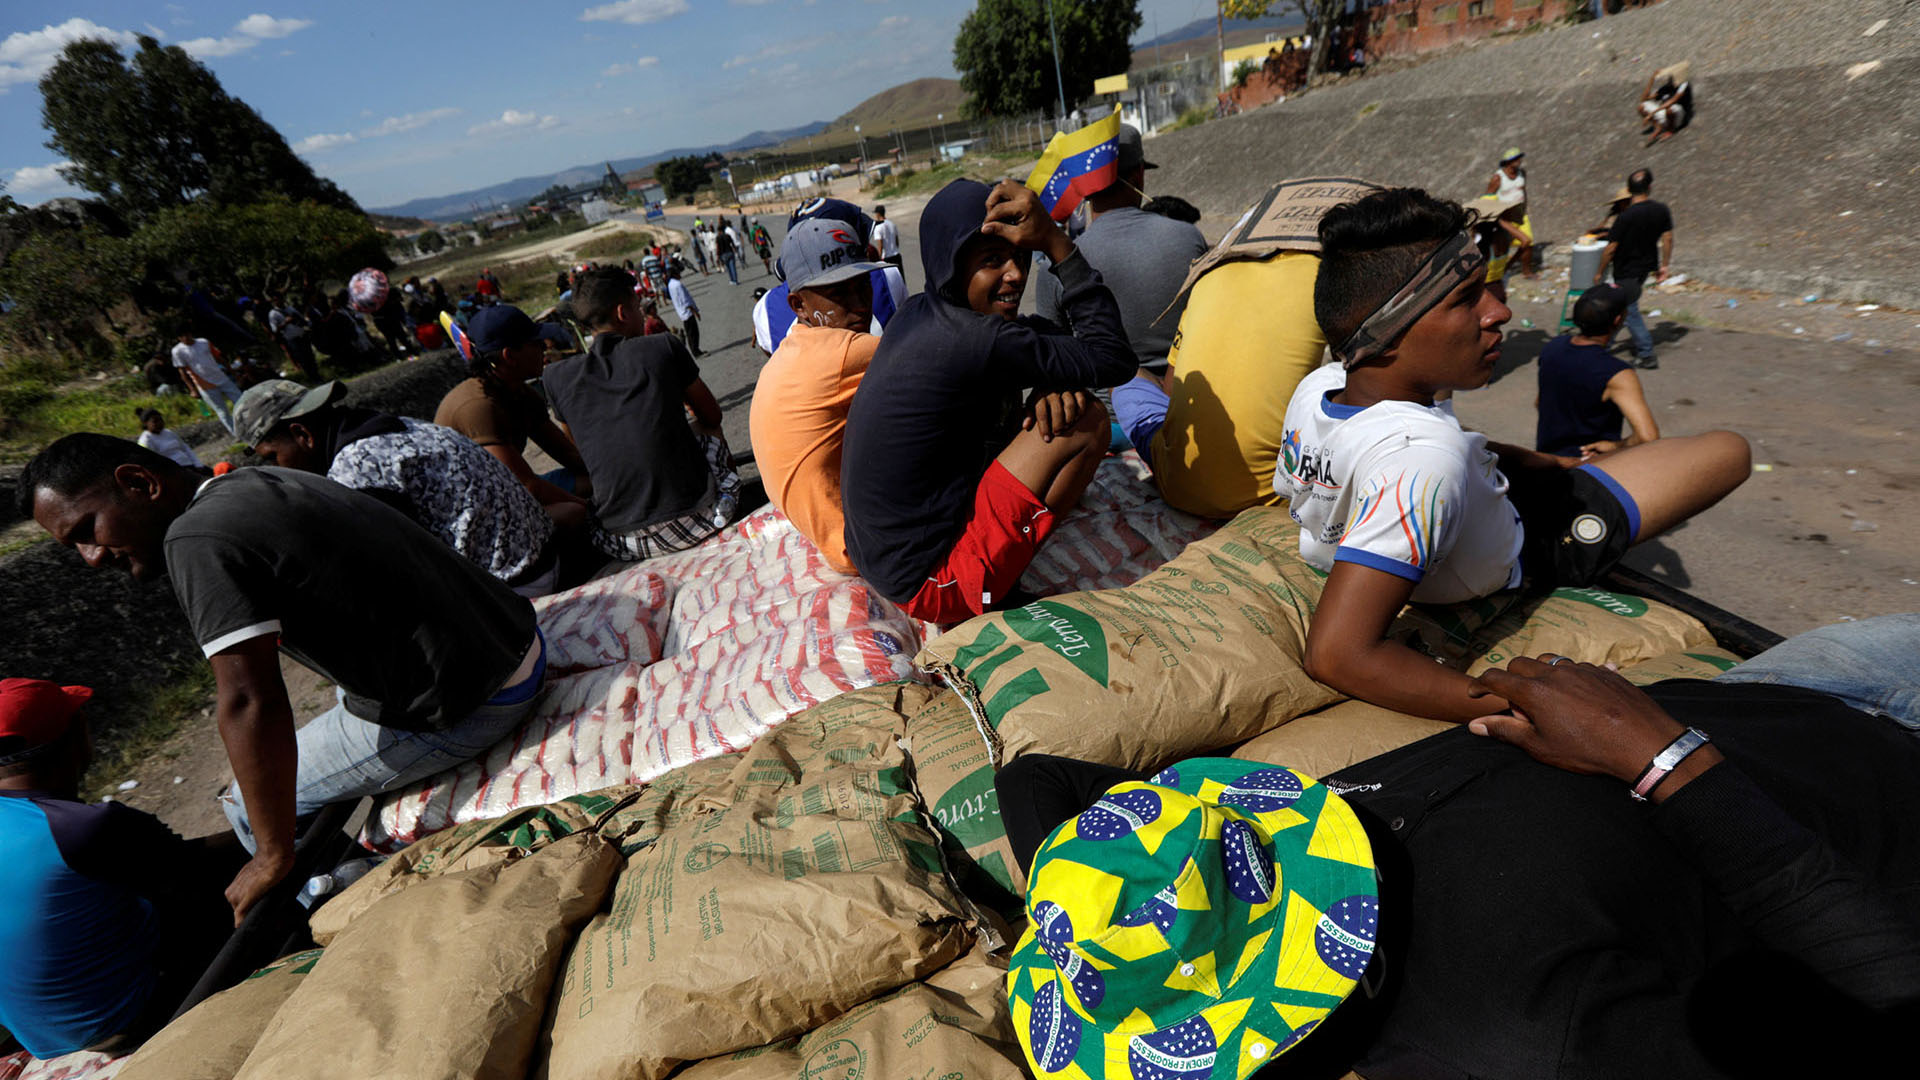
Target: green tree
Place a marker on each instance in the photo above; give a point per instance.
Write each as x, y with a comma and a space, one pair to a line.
1004, 51
681, 175
264, 246
64, 284
430, 241
160, 132
1322, 18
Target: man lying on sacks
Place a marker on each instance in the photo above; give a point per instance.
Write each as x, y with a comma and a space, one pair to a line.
435, 659
1702, 879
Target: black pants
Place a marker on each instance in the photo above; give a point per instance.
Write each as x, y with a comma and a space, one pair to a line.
1039, 791
691, 324
195, 922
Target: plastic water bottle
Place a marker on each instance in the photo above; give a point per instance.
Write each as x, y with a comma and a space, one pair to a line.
321, 886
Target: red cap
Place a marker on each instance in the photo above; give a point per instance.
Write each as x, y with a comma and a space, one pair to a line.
37, 710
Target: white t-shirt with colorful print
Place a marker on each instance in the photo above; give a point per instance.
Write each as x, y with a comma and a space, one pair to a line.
1398, 487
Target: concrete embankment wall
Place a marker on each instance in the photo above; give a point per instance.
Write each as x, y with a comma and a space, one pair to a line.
1801, 172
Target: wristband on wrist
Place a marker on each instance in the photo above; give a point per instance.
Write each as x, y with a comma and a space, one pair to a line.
1666, 761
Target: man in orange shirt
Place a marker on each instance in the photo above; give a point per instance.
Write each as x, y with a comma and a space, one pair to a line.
799, 414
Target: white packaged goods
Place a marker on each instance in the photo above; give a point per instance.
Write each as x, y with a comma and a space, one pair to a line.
701, 652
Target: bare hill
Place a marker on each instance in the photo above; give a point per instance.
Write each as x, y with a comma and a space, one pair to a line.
1798, 174
909, 105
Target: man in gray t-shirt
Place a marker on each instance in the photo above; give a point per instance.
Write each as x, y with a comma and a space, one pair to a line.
1142, 257
435, 660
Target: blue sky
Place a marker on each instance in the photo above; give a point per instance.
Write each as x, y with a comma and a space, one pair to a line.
407, 98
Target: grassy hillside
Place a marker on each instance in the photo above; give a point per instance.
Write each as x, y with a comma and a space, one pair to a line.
909, 105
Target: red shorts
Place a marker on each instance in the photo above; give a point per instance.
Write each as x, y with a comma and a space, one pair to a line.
1008, 525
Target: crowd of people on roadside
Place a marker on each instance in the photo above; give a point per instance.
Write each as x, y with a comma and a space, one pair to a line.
930, 442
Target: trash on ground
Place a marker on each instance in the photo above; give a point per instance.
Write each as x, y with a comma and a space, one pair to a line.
129, 785
1868, 307
1842, 336
1762, 467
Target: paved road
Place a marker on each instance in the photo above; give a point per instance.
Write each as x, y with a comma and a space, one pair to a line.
732, 365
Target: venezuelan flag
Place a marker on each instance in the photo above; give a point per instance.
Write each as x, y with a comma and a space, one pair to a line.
1077, 164
457, 336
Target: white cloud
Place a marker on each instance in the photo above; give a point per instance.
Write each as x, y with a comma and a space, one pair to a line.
26, 55
516, 120
624, 68
779, 48
266, 26
634, 11
246, 33
394, 125
892, 21
323, 141
35, 179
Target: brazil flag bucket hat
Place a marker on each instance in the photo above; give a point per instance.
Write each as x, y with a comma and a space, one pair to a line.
1193, 926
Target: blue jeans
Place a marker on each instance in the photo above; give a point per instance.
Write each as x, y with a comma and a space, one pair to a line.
1636, 324
1873, 665
733, 269
221, 397
1140, 408
344, 757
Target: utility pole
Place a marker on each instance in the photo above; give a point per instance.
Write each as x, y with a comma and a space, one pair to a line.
863, 155
1059, 83
1220, 37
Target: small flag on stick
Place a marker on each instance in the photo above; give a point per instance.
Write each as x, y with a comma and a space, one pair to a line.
457, 336
1077, 164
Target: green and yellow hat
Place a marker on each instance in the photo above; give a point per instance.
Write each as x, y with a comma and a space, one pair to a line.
1192, 927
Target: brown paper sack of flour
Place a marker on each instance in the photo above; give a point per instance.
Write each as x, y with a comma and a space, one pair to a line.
811, 886
954, 774
1200, 654
1322, 743
446, 979
952, 1026
213, 1039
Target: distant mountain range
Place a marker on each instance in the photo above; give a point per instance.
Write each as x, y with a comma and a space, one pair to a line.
462, 204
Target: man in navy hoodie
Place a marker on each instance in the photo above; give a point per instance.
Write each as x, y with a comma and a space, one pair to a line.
950, 481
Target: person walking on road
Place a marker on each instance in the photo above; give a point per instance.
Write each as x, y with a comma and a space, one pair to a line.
729, 253
684, 307
886, 237
201, 370
1509, 184
1640, 244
